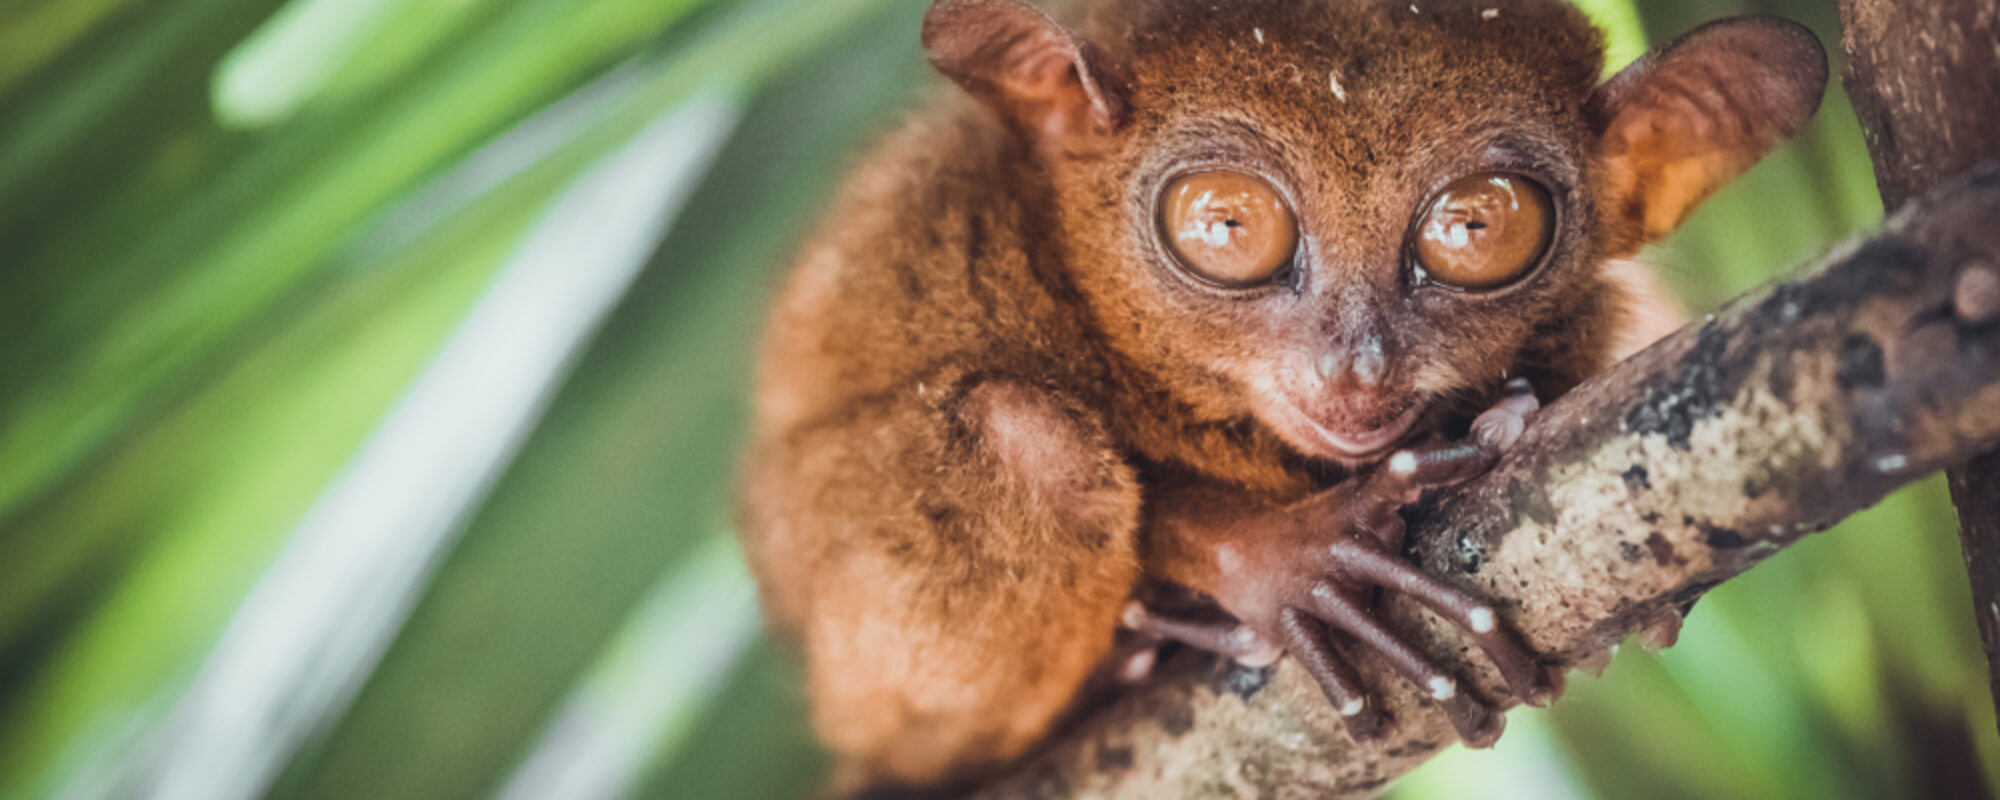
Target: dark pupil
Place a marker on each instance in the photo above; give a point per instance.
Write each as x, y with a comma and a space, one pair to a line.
1233, 223
1475, 225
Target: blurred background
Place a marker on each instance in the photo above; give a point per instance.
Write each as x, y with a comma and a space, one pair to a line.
370, 372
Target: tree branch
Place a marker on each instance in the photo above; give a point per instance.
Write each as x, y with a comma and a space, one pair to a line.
1631, 496
1925, 80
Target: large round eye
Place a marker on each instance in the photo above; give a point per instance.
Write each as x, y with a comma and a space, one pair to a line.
1485, 230
1228, 227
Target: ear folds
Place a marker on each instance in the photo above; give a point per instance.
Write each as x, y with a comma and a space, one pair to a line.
1684, 120
1045, 80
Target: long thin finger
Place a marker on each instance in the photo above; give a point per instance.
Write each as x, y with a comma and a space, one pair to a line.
1306, 639
1478, 725
1230, 638
1523, 672
1409, 472
1493, 432
1407, 475
1329, 604
1435, 465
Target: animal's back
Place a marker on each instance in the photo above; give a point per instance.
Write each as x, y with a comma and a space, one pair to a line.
923, 266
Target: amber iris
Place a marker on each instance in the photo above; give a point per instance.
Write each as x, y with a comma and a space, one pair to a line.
1485, 231
1228, 227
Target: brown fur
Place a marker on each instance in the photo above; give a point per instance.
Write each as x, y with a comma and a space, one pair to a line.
984, 364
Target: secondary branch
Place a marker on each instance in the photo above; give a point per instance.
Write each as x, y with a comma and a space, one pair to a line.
1925, 79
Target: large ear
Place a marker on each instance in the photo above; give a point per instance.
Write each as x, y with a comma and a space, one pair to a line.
1691, 116
1045, 80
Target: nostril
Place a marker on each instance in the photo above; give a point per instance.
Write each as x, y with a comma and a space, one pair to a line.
1370, 362
1330, 364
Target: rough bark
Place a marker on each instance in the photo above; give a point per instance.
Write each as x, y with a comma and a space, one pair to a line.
1631, 496
1925, 80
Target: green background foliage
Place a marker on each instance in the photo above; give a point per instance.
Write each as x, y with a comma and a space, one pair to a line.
233, 233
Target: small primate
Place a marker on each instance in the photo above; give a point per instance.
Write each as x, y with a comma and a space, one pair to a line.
1154, 324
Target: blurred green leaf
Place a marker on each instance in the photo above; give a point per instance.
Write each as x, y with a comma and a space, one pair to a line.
646, 429
32, 32
236, 229
281, 66
246, 236
642, 697
201, 498
193, 508
322, 613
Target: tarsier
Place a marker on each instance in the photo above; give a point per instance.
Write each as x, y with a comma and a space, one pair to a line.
1171, 310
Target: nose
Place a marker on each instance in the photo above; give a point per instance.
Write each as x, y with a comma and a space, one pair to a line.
1362, 361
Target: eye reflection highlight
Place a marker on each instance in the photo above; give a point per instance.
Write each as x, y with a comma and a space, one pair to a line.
1484, 231
1228, 227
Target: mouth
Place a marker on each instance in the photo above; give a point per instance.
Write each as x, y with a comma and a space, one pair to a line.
1357, 445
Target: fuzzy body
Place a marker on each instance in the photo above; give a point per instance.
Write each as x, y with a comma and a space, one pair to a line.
983, 393
933, 507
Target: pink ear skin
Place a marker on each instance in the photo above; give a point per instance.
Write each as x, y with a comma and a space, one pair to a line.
1689, 117
1047, 82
